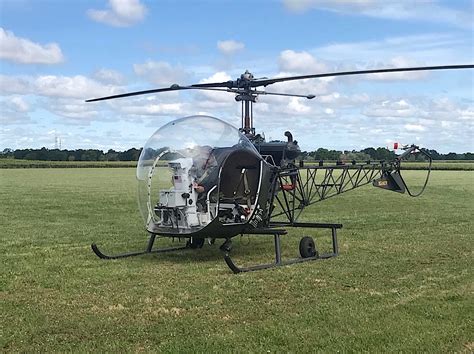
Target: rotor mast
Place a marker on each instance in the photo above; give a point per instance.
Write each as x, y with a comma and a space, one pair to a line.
247, 93
247, 97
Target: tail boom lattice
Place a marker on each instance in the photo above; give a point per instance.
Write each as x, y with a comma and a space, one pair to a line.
298, 187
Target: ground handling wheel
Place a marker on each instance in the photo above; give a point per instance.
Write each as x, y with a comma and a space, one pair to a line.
308, 247
195, 243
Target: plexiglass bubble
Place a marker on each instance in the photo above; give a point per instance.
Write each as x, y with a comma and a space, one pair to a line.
178, 172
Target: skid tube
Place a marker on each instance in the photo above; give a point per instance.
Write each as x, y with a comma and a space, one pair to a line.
277, 232
149, 249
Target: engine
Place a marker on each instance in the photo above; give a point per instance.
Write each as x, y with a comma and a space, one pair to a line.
282, 153
177, 205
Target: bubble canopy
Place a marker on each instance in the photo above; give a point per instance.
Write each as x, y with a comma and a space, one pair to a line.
179, 167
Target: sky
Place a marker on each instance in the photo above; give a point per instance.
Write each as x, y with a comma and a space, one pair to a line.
56, 54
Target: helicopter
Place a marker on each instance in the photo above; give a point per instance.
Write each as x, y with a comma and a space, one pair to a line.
201, 178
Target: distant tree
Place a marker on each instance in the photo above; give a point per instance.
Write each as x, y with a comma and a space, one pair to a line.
90, 155
304, 155
384, 154
129, 155
355, 156
6, 153
371, 152
468, 156
451, 156
111, 155
133, 154
320, 154
57, 155
434, 154
325, 154
32, 155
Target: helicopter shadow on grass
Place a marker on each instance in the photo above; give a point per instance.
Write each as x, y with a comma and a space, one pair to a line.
246, 248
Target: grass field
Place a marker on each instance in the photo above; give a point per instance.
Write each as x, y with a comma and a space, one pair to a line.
402, 281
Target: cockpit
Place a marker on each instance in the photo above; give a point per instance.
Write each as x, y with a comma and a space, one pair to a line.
195, 171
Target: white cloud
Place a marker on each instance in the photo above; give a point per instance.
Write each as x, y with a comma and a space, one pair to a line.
174, 109
161, 73
15, 84
301, 87
297, 106
108, 76
72, 87
426, 49
466, 114
300, 62
428, 11
414, 127
24, 51
399, 62
121, 13
230, 47
14, 110
329, 111
399, 108
12, 117
19, 104
74, 109
78, 86
335, 99
445, 124
216, 98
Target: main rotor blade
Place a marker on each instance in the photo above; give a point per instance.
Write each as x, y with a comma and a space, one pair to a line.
227, 84
137, 93
166, 89
257, 83
234, 86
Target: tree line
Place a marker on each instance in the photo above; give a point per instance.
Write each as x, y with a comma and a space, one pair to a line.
45, 154
375, 154
133, 154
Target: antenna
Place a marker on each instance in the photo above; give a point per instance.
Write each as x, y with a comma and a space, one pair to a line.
57, 141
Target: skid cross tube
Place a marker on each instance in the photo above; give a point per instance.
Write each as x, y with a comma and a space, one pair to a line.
149, 249
227, 247
316, 225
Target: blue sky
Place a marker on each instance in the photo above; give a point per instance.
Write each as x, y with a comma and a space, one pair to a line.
56, 54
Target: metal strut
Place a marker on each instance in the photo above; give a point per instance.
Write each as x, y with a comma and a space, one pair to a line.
149, 249
227, 247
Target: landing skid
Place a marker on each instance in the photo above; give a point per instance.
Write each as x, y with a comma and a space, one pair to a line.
227, 247
149, 249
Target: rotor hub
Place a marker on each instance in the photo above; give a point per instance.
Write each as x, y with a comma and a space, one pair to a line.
247, 76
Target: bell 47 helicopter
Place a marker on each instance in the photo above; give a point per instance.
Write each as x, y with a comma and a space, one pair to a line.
201, 178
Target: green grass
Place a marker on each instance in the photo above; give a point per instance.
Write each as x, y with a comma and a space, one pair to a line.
403, 280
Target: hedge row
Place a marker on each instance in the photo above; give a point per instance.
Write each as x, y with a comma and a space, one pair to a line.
11, 163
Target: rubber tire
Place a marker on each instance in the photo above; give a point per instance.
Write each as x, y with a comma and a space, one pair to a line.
195, 243
308, 247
